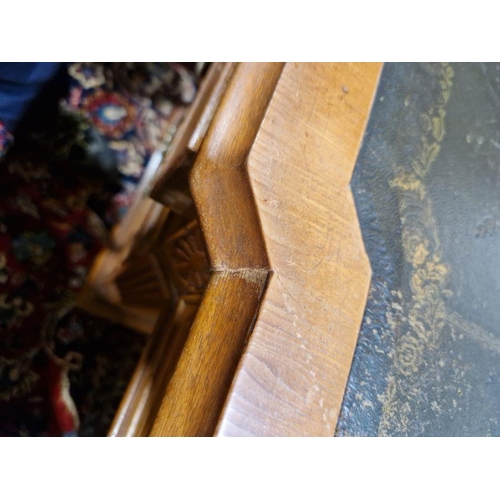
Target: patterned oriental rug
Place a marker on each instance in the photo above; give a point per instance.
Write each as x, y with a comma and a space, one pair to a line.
63, 372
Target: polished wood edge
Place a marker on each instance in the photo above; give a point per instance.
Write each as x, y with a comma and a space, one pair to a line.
141, 402
219, 179
291, 378
203, 374
219, 87
222, 193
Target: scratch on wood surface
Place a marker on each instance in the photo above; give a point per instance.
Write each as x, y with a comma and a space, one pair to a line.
255, 276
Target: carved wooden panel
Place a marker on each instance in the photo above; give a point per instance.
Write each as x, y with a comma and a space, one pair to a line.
257, 257
271, 187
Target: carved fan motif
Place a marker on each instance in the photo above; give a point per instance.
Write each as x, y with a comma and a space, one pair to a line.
190, 261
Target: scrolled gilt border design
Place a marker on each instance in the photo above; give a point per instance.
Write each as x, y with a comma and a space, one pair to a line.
421, 328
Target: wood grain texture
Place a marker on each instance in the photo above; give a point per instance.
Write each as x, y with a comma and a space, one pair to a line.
100, 296
226, 208
291, 379
140, 404
198, 388
271, 187
216, 85
181, 263
219, 180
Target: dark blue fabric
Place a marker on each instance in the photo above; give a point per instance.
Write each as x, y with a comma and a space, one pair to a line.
20, 84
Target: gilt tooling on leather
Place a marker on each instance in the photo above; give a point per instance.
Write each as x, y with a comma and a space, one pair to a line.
426, 186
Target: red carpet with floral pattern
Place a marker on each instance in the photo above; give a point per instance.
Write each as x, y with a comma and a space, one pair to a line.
62, 372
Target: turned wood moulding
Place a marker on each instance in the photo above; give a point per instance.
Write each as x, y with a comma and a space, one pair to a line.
267, 346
